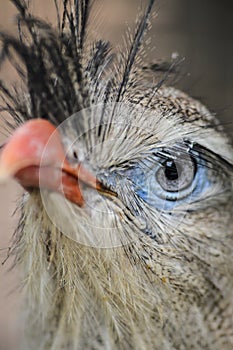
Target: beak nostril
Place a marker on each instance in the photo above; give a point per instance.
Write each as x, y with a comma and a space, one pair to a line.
75, 155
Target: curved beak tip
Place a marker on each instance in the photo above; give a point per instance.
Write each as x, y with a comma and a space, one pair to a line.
4, 176
7, 170
33, 167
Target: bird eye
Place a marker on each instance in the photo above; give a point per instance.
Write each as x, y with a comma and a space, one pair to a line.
168, 178
174, 179
174, 176
182, 174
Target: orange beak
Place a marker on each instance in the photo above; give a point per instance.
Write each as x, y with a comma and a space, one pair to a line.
35, 157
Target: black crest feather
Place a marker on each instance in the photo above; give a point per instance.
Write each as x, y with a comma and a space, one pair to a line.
60, 71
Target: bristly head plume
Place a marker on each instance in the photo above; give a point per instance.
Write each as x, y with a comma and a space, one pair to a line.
61, 70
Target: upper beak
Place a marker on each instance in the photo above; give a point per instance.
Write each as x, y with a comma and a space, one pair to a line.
34, 155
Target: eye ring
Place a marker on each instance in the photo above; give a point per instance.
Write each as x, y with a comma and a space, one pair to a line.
174, 177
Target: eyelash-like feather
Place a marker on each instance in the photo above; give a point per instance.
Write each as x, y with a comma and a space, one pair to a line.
211, 157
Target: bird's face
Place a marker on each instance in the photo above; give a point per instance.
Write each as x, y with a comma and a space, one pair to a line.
127, 221
153, 189
115, 174
124, 199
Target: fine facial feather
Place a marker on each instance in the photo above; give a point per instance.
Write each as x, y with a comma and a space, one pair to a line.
167, 281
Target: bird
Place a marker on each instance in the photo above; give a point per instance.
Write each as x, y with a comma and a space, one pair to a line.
125, 233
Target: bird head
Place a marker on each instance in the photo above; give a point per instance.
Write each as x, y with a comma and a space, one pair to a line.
126, 222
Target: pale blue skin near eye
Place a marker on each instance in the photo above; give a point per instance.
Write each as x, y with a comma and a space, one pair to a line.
141, 178
148, 189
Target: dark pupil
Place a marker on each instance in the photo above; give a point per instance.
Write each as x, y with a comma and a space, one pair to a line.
170, 171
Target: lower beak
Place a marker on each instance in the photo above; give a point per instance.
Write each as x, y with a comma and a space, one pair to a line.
34, 155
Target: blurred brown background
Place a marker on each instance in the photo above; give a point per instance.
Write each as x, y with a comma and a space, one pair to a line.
201, 31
